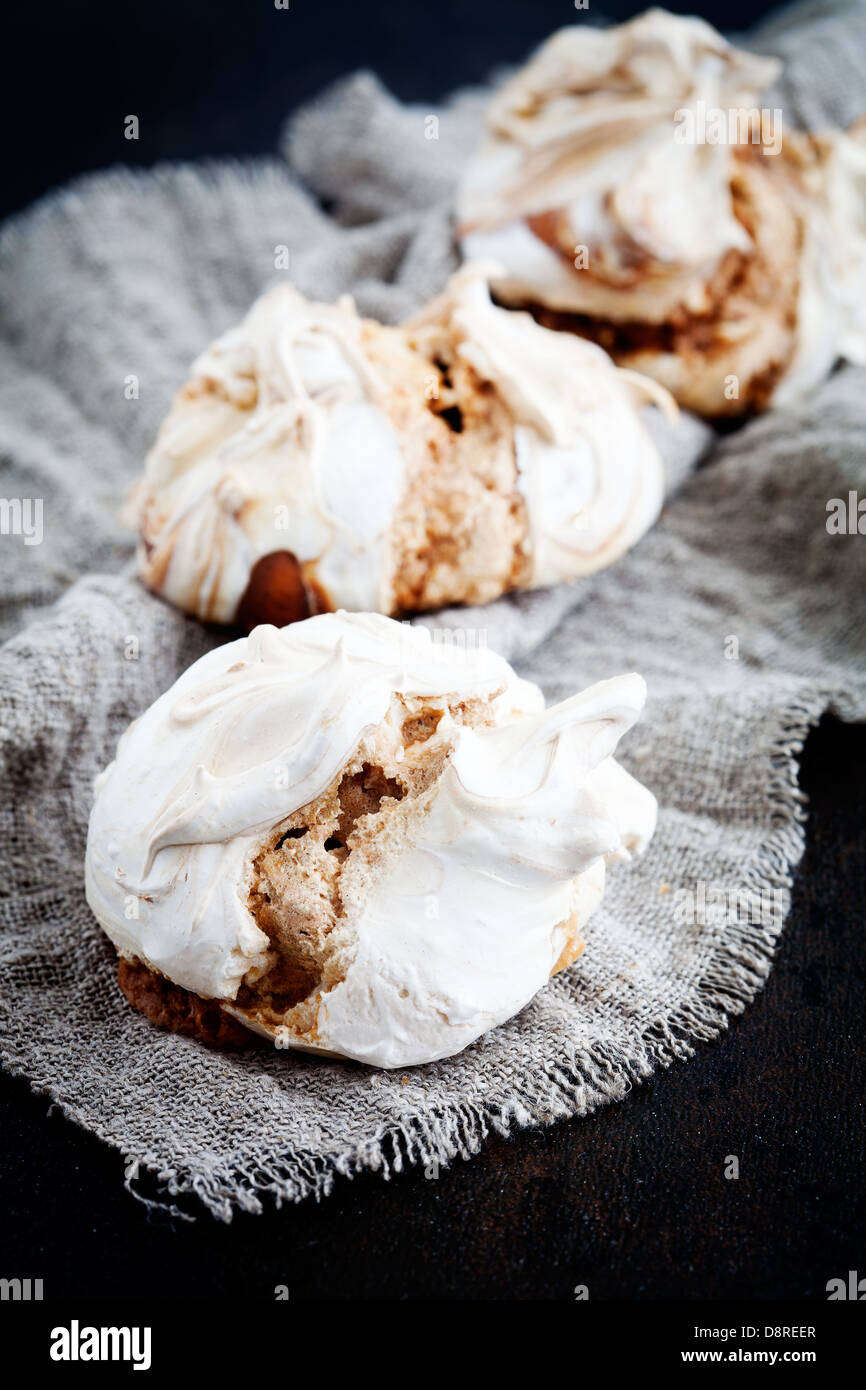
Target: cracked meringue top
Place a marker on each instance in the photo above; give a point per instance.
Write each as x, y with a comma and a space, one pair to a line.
318, 460
690, 259
361, 841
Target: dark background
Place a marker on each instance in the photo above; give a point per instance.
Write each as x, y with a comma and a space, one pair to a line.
218, 77
632, 1201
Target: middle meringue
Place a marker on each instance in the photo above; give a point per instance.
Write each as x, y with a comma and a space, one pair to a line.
317, 460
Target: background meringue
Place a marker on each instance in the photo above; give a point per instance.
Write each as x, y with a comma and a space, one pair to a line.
695, 262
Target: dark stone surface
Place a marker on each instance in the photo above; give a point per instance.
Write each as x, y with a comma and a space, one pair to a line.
631, 1201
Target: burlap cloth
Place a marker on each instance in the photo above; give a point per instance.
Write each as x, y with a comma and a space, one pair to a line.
743, 612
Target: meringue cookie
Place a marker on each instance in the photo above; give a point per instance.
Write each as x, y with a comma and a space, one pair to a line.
692, 262
360, 841
318, 460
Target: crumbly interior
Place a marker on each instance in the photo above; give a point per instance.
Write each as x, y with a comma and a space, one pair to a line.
748, 329
460, 533
319, 861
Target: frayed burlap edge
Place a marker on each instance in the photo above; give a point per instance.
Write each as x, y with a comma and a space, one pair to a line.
550, 1092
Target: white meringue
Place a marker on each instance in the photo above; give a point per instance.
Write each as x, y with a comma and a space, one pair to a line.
508, 840
586, 130
278, 443
309, 431
594, 208
831, 303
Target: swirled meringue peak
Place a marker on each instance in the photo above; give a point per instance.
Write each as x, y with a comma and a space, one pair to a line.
634, 190
318, 460
362, 841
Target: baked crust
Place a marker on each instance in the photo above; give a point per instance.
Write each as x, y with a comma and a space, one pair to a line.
280, 591
178, 1010
174, 1008
573, 947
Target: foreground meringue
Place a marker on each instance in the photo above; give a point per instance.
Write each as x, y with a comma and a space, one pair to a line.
361, 841
318, 460
725, 261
